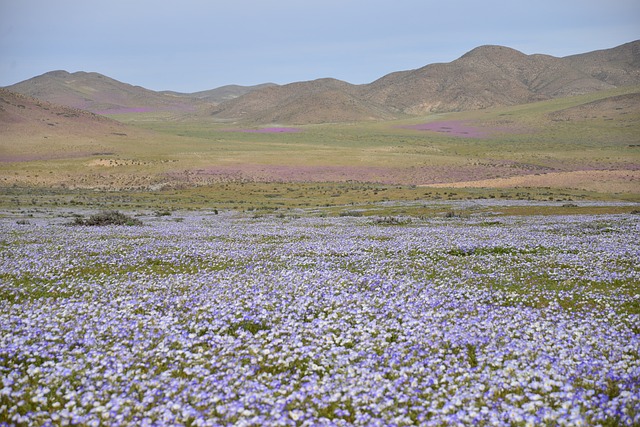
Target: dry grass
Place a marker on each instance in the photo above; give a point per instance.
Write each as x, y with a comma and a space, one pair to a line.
619, 181
151, 152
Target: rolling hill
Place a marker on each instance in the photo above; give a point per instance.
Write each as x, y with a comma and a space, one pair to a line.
317, 101
102, 95
487, 76
220, 94
47, 145
571, 142
21, 114
32, 129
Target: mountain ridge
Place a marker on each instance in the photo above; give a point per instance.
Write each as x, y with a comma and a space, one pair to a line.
92, 92
221, 93
486, 76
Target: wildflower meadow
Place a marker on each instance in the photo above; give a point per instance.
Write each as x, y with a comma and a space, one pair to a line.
233, 320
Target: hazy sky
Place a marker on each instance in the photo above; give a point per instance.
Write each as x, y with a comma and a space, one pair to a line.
191, 45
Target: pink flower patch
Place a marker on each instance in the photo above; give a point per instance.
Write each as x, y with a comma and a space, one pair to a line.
452, 127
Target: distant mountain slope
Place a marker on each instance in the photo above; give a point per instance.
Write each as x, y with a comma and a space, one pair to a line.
619, 66
31, 116
99, 94
103, 95
36, 130
317, 101
226, 93
487, 76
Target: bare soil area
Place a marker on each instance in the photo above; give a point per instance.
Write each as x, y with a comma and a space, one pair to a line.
616, 181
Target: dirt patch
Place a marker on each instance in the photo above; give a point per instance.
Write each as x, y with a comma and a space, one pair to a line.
21, 158
112, 163
618, 181
341, 173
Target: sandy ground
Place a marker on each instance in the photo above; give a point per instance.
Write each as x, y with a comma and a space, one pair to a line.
618, 181
127, 173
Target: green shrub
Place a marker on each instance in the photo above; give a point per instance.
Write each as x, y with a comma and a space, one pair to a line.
107, 218
390, 220
351, 213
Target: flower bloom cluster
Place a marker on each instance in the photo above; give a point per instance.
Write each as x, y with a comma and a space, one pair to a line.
226, 320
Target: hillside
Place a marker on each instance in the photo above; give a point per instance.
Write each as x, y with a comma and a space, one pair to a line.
588, 142
225, 93
488, 76
619, 66
485, 77
47, 145
318, 101
622, 108
32, 129
101, 94
28, 116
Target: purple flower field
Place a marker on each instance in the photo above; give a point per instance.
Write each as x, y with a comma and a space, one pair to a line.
227, 320
452, 127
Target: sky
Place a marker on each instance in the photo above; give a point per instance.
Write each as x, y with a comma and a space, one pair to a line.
194, 45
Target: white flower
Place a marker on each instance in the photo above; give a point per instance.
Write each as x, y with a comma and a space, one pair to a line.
296, 414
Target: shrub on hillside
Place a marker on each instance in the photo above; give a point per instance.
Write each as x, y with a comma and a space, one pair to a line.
107, 218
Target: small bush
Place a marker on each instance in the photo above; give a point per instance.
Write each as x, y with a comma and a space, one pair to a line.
390, 220
107, 218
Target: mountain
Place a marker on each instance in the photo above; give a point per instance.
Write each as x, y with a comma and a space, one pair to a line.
100, 94
487, 76
20, 113
223, 93
32, 129
619, 66
317, 101
103, 95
